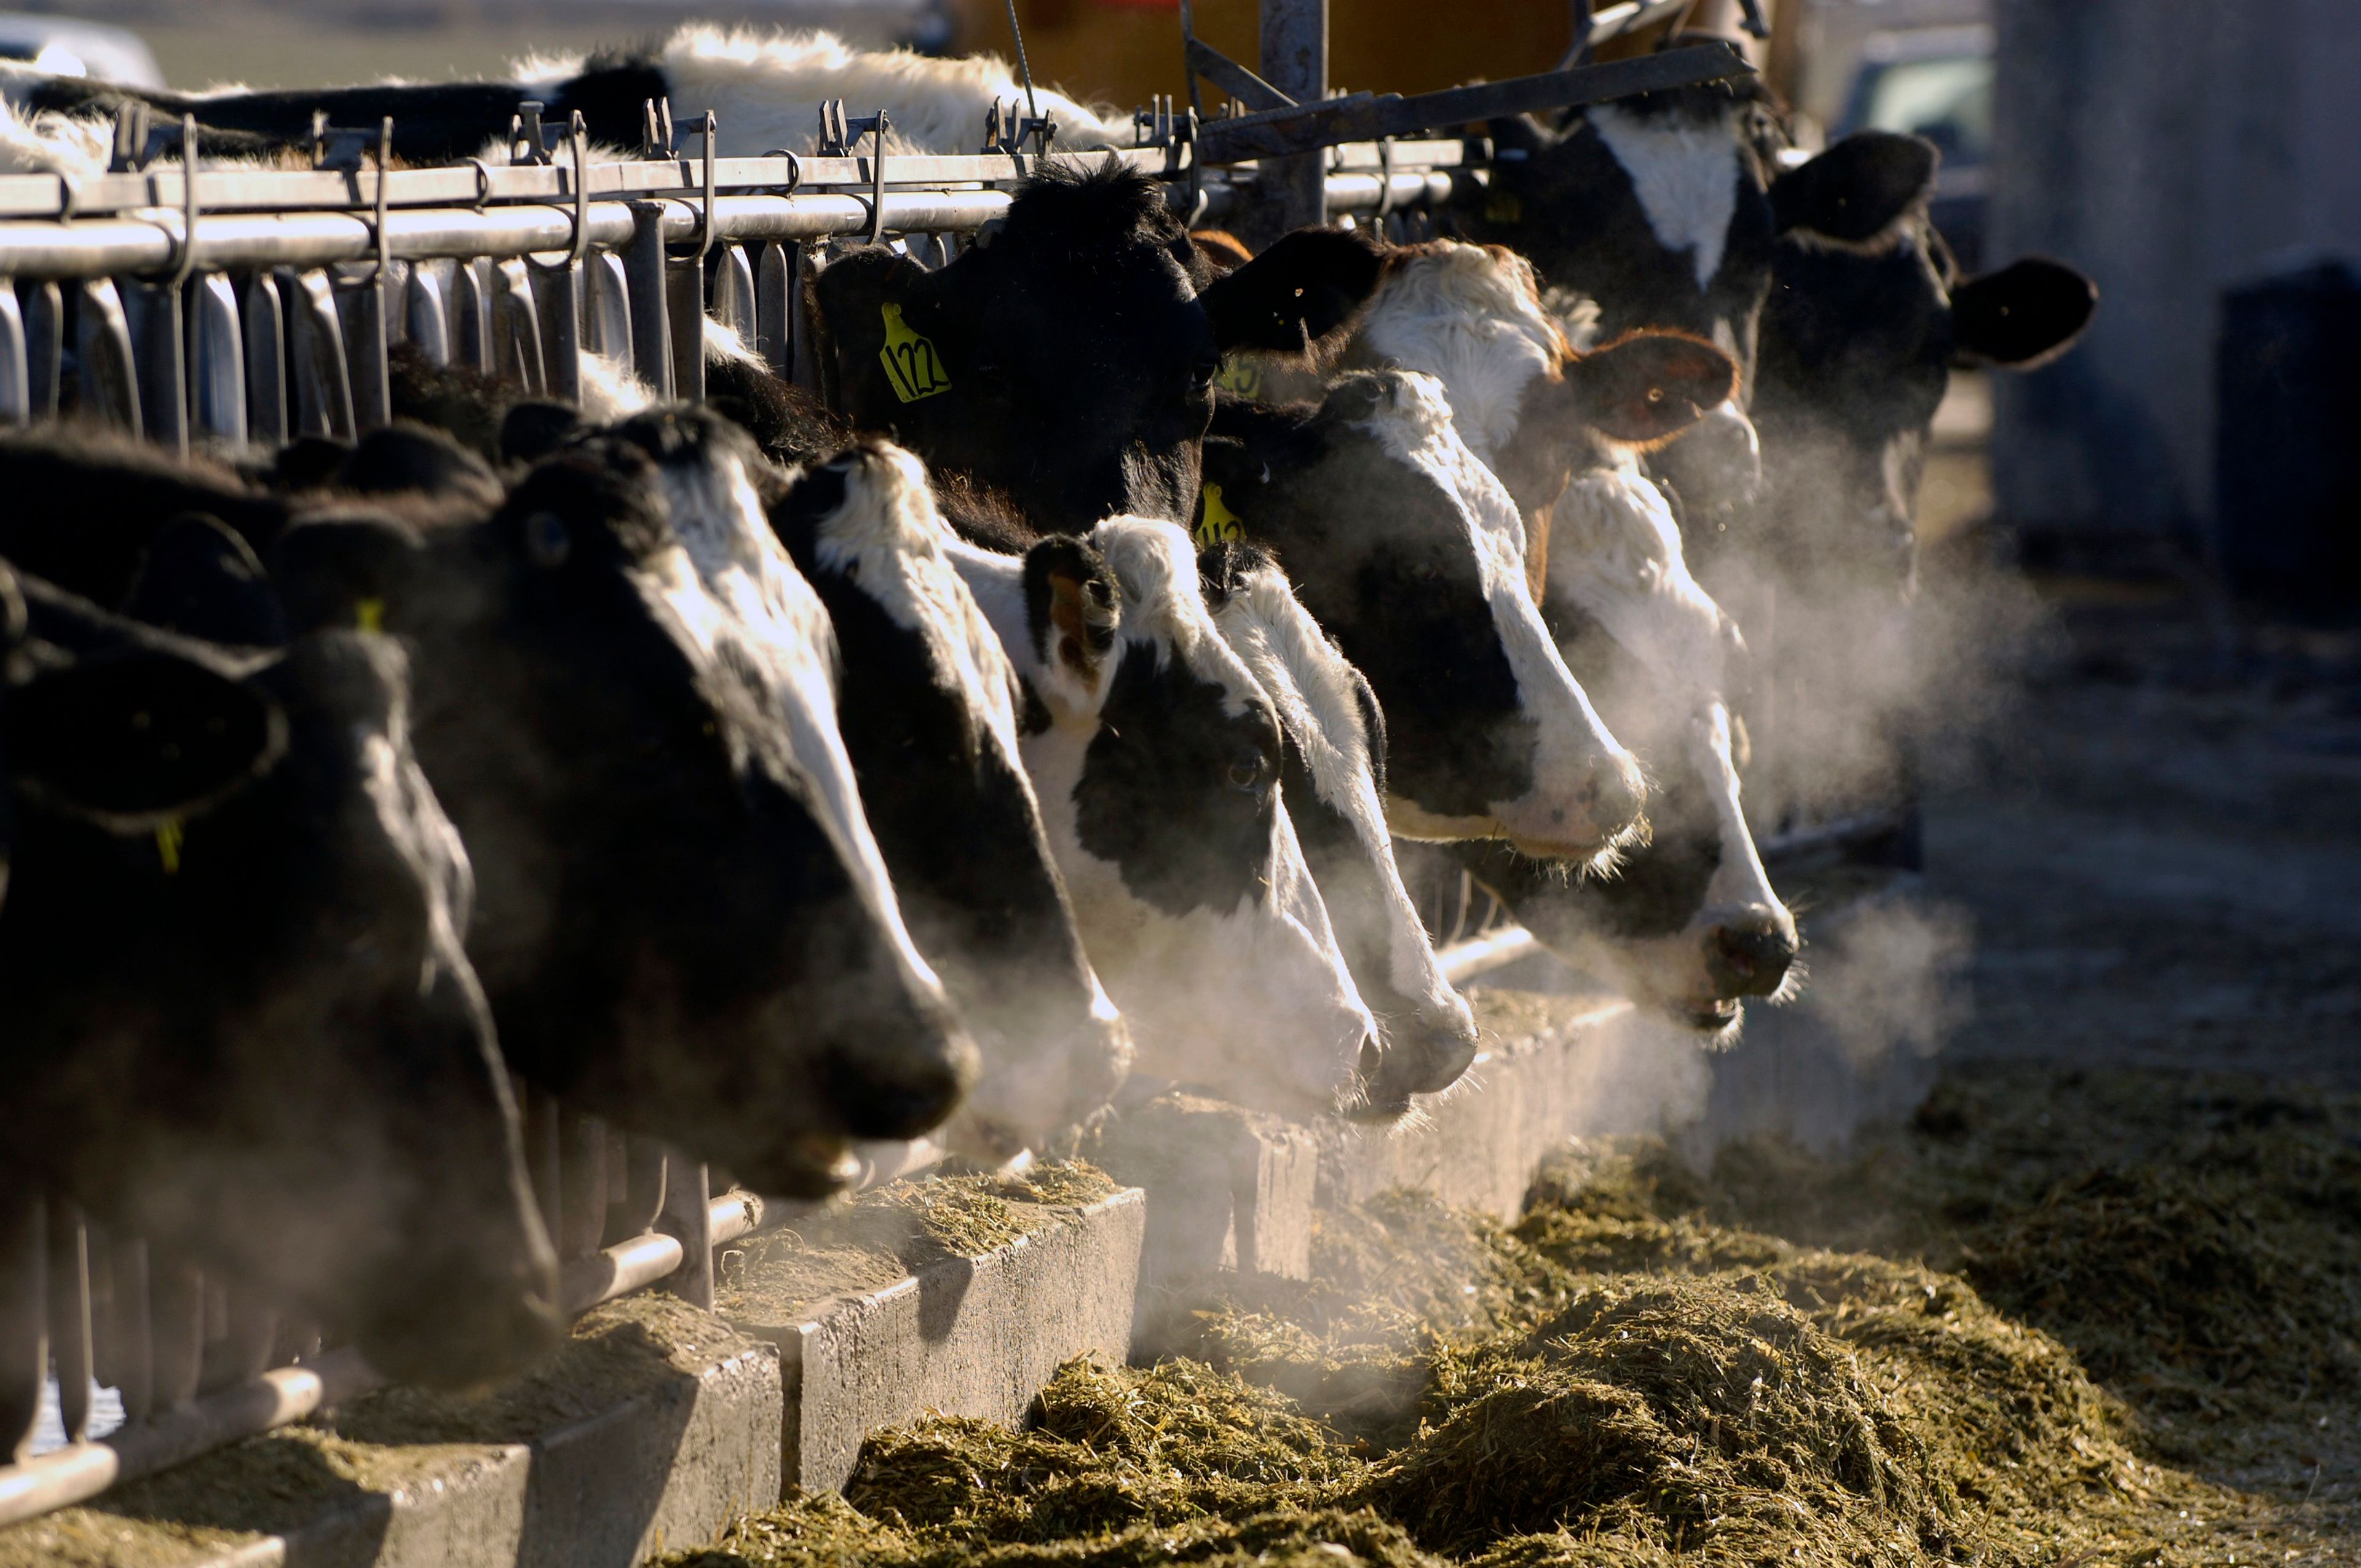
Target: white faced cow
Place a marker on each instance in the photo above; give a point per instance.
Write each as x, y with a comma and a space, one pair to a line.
1157, 759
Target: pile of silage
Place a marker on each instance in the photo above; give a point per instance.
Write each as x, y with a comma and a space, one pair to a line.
1627, 1375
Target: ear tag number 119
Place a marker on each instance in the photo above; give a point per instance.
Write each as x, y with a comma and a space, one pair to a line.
910, 360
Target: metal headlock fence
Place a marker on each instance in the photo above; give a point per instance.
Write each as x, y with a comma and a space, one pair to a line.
236, 307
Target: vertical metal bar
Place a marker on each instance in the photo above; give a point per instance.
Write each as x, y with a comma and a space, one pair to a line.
774, 308
1295, 61
177, 1309
110, 372
70, 1336
159, 352
557, 292
684, 299
371, 387
645, 266
242, 1350
216, 360
15, 385
132, 1330
688, 1215
425, 321
607, 314
44, 344
24, 1324
471, 313
647, 1185
324, 388
583, 1167
266, 361
516, 328
804, 266
733, 291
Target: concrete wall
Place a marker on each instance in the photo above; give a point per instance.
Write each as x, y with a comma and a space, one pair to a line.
2167, 147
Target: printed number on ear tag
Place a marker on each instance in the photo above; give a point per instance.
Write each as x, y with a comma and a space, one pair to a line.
169, 838
1238, 378
1220, 525
910, 360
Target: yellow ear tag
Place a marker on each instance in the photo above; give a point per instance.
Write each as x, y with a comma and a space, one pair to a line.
1504, 208
1239, 378
168, 846
370, 614
910, 360
1220, 525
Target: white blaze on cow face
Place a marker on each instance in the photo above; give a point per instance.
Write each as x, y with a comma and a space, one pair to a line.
1156, 765
1471, 317
1685, 175
1585, 786
729, 590
1320, 699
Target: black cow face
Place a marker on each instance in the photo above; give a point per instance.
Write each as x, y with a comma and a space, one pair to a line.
928, 707
1865, 321
670, 934
240, 1023
1411, 555
1070, 361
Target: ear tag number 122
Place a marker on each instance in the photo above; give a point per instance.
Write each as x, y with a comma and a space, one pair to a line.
910, 360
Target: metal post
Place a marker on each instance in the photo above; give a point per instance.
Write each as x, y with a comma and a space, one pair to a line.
688, 1218
130, 1330
685, 299
266, 372
24, 1324
69, 1315
733, 291
15, 388
110, 367
471, 311
370, 374
323, 386
44, 344
516, 328
646, 267
158, 342
607, 314
426, 321
1295, 61
774, 309
216, 360
582, 1167
557, 294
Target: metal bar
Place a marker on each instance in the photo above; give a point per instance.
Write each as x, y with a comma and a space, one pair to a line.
733, 292
582, 1206
688, 1218
643, 1200
365, 354
1295, 61
684, 299
15, 384
607, 314
646, 269
1280, 132
266, 361
471, 314
1232, 78
133, 1373
110, 369
516, 328
774, 309
557, 296
618, 1270
1463, 962
323, 388
24, 1323
216, 360
426, 321
69, 1328
45, 342
803, 266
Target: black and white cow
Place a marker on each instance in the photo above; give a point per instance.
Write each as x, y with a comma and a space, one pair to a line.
766, 87
239, 1016
1866, 319
1410, 554
927, 704
1654, 211
1158, 760
1069, 362
1335, 779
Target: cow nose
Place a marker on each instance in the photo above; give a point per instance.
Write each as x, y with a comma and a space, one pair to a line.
886, 1094
1750, 953
1377, 1096
1613, 796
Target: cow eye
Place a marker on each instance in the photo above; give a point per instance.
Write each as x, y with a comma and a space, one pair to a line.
1201, 373
547, 540
1247, 771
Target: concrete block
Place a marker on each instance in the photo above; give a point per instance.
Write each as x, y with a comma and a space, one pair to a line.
971, 1336
652, 1429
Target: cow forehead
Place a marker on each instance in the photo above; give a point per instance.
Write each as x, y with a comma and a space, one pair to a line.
1470, 316
1164, 606
1684, 171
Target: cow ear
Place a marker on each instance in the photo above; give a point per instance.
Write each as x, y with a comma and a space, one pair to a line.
1857, 188
1071, 610
202, 580
875, 307
1302, 289
1649, 386
357, 570
135, 741
2025, 315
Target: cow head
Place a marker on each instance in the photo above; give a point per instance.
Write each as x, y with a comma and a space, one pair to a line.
240, 1021
1334, 779
1070, 360
1410, 554
1865, 321
927, 704
626, 699
1158, 761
